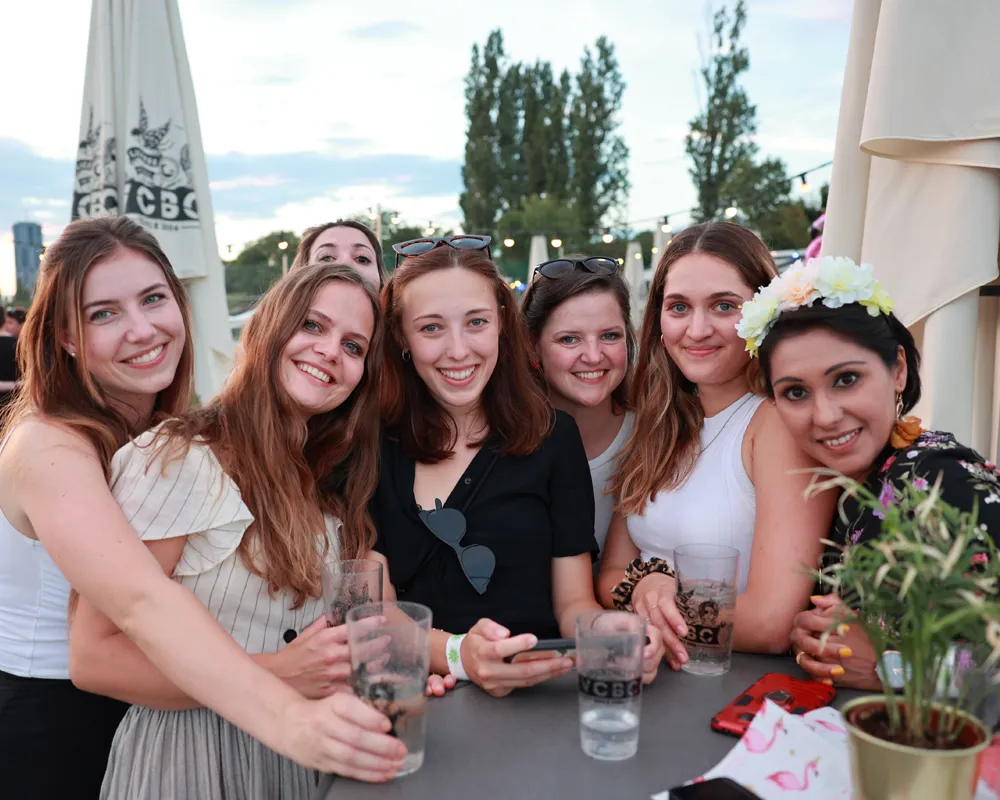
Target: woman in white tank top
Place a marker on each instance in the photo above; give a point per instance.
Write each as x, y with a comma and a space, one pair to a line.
579, 315
708, 460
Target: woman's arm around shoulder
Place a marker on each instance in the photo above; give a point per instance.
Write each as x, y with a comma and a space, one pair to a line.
788, 530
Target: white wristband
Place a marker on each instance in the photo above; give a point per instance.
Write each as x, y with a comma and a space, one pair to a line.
453, 652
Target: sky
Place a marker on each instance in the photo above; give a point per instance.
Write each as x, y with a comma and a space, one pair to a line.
312, 110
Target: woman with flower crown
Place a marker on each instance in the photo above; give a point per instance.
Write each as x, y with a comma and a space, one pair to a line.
709, 461
843, 372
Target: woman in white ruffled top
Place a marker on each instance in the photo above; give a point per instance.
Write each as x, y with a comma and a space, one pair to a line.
242, 501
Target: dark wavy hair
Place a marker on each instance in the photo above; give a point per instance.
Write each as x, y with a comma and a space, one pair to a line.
543, 296
515, 407
882, 335
310, 236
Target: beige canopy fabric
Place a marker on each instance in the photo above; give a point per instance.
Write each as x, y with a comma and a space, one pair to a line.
915, 189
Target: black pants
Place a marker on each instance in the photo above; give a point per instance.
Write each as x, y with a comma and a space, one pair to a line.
54, 739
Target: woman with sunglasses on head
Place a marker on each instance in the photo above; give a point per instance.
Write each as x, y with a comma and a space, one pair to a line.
843, 372
230, 500
343, 242
708, 461
106, 354
484, 508
578, 313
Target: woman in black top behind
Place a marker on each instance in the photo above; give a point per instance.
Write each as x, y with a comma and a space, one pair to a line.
484, 508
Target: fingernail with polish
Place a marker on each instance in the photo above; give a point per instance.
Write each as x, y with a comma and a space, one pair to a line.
827, 681
815, 597
843, 629
846, 652
837, 671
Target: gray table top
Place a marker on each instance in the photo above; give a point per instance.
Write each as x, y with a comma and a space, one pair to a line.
527, 745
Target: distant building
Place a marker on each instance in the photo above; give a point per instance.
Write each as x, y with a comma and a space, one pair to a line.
27, 254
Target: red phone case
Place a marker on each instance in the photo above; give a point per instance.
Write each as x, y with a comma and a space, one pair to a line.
792, 694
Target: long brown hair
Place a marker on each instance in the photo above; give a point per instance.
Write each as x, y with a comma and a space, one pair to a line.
515, 408
62, 388
291, 473
310, 236
544, 295
662, 449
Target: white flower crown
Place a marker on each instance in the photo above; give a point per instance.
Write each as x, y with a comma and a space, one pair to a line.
835, 281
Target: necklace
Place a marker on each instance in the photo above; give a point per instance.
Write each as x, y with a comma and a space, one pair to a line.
724, 424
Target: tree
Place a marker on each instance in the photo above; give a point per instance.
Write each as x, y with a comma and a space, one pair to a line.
599, 182
548, 216
482, 199
787, 227
259, 264
757, 189
721, 134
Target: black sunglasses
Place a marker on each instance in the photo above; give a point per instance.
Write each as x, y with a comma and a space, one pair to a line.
477, 560
561, 267
460, 241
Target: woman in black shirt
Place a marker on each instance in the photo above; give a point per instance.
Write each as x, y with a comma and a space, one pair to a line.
484, 508
843, 372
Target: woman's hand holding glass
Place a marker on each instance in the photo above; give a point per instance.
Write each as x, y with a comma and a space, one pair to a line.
654, 598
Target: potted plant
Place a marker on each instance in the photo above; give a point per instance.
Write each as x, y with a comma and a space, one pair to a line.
926, 592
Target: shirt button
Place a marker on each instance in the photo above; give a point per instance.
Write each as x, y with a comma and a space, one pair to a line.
468, 481
289, 636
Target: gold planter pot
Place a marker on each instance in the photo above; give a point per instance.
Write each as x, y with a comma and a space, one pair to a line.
884, 770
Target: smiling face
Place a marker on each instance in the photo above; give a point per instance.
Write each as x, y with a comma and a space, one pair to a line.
836, 398
701, 306
451, 328
324, 361
133, 329
583, 349
342, 245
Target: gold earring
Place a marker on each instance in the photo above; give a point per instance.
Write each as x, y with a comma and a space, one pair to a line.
899, 405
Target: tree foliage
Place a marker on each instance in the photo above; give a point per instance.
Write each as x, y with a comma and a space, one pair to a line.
533, 137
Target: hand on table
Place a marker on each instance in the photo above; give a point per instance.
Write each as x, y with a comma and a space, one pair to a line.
487, 645
654, 598
437, 685
846, 659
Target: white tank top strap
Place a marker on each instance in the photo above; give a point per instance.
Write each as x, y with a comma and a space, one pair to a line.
716, 504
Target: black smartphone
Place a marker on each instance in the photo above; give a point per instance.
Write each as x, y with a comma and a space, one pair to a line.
545, 648
714, 789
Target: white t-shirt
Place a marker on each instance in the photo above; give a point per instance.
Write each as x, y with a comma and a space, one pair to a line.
601, 469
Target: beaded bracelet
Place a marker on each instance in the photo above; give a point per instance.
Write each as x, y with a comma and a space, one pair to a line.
621, 594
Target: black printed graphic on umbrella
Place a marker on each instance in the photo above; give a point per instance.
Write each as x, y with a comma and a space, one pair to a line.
449, 525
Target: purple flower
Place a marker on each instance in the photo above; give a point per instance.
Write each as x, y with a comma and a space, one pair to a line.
913, 454
920, 483
857, 535
886, 498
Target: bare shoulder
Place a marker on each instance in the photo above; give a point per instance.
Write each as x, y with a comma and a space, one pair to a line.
38, 442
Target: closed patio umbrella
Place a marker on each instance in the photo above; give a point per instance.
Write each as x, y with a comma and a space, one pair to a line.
140, 154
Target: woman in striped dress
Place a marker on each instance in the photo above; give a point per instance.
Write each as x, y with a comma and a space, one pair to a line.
229, 499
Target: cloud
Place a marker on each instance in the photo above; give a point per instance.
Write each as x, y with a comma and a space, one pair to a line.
390, 29
807, 10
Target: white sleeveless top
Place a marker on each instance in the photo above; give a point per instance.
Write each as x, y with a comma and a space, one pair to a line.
715, 505
601, 470
194, 497
34, 605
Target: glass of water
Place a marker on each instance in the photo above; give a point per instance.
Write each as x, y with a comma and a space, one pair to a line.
609, 649
390, 646
707, 584
348, 584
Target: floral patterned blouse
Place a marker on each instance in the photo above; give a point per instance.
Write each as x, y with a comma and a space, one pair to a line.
966, 477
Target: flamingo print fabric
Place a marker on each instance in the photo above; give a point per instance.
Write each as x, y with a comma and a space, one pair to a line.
787, 757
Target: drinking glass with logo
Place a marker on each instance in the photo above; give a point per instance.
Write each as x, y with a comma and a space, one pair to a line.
349, 584
707, 583
609, 649
390, 646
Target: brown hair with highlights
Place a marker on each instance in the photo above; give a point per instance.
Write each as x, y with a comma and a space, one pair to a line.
514, 406
60, 387
291, 473
663, 446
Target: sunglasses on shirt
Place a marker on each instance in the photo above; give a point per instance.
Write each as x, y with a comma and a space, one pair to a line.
561, 267
460, 241
477, 560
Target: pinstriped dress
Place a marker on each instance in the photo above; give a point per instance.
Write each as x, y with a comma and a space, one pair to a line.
196, 754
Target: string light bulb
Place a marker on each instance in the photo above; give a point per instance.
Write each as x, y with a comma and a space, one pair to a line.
508, 242
556, 243
666, 227
732, 211
608, 238
805, 183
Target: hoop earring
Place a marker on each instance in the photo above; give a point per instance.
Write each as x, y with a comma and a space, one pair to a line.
406, 355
